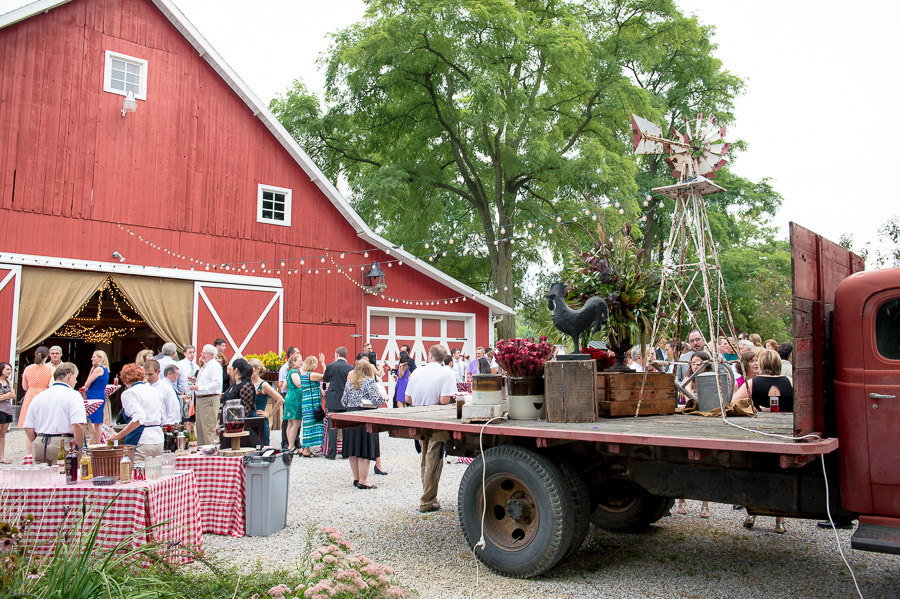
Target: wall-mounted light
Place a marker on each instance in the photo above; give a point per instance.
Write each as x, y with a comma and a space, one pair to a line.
374, 280
121, 258
129, 104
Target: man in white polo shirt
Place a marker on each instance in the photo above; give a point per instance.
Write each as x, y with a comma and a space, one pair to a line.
170, 404
429, 385
56, 416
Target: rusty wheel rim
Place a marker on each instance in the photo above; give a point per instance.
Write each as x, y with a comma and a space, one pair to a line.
512, 517
618, 499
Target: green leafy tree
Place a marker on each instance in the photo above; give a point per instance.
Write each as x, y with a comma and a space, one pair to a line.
468, 119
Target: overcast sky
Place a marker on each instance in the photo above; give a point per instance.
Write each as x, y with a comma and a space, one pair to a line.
821, 79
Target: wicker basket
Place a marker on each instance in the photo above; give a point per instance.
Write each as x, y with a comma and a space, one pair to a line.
105, 460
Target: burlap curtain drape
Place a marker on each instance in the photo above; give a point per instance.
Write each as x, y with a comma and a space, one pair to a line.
165, 304
48, 298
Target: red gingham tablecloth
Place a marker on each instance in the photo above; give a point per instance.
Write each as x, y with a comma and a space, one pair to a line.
220, 483
172, 503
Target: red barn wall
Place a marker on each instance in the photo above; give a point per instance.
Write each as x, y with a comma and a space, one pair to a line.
182, 170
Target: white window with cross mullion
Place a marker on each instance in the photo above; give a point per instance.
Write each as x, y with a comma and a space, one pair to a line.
124, 74
273, 205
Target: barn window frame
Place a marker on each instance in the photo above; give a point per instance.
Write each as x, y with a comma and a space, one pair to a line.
261, 207
142, 65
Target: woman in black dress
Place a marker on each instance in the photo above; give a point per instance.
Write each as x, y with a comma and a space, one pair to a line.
763, 390
241, 388
360, 446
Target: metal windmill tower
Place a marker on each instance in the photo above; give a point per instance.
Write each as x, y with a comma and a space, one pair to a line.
690, 260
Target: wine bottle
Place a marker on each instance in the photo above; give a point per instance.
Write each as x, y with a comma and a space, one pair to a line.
72, 465
86, 473
61, 457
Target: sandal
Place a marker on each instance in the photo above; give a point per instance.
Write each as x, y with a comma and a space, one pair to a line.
682, 509
749, 521
5, 461
704, 513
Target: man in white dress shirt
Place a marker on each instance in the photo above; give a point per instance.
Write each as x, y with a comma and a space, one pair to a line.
170, 404
187, 366
460, 366
208, 393
431, 384
56, 416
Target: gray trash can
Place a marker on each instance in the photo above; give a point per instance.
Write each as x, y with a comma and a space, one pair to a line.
267, 485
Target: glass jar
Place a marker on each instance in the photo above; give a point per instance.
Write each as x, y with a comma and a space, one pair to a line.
233, 416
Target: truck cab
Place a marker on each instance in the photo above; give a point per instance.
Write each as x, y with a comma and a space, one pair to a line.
866, 351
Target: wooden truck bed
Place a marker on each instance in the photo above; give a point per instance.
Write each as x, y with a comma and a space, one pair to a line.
692, 432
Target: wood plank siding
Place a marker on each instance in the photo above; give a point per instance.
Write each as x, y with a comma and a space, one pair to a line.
182, 171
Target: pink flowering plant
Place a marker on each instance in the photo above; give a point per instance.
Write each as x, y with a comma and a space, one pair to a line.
339, 573
523, 357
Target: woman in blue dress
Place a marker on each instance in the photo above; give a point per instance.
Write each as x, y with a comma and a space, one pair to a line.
96, 389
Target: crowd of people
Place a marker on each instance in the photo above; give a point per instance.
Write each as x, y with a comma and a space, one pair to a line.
160, 390
756, 371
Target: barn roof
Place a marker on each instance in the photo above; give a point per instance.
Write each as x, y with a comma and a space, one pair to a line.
261, 111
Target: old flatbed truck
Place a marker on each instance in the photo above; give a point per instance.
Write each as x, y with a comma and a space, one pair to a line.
545, 482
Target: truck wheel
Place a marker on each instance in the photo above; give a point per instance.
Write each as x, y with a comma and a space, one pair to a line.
624, 506
581, 506
529, 520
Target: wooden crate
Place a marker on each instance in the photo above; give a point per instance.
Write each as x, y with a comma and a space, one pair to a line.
571, 390
618, 394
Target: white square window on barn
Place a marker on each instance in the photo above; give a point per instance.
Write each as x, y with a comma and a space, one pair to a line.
125, 74
274, 205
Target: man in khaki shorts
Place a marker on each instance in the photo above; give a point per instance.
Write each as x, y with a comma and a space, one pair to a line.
56, 416
208, 388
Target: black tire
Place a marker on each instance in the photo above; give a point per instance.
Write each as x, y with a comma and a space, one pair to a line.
529, 521
581, 506
623, 506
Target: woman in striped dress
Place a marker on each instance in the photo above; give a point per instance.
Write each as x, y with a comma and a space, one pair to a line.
311, 398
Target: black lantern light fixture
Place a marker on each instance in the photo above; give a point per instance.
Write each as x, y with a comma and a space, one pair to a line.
374, 281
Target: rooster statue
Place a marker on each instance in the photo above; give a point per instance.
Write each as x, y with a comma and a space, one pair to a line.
575, 322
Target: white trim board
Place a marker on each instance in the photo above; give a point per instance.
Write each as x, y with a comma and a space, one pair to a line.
261, 111
14, 274
138, 270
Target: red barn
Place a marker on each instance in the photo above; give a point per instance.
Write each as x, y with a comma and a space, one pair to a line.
148, 195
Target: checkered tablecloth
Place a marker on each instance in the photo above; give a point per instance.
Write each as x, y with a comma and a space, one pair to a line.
64, 511
220, 484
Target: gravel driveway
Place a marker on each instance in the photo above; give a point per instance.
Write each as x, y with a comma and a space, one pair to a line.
682, 556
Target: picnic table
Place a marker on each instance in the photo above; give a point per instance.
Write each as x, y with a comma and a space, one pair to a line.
59, 509
220, 483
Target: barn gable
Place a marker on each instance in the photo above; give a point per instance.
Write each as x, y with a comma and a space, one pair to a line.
177, 183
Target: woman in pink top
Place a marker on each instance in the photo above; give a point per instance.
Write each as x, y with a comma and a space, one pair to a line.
35, 379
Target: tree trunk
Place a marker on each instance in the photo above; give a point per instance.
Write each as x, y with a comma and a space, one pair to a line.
501, 269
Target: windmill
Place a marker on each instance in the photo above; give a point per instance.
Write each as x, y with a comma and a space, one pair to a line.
690, 260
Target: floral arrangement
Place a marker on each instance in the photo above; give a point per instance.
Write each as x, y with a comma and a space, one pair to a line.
617, 271
338, 573
271, 360
604, 359
523, 357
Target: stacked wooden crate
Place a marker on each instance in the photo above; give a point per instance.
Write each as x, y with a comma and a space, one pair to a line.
570, 390
618, 393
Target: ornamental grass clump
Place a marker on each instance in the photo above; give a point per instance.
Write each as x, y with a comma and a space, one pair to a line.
523, 357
